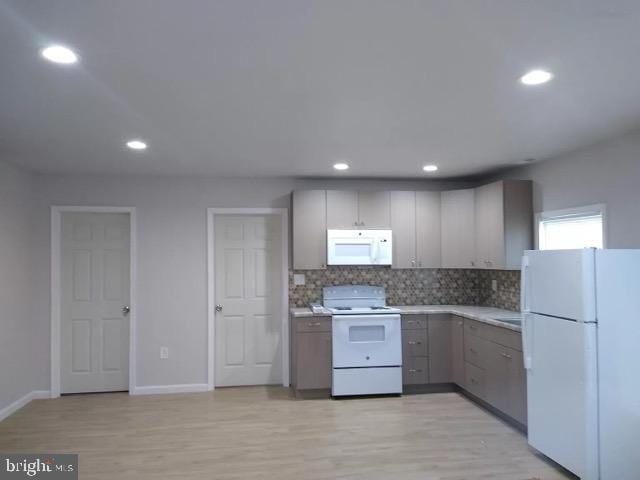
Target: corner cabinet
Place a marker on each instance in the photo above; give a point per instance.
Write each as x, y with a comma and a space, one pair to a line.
309, 229
503, 223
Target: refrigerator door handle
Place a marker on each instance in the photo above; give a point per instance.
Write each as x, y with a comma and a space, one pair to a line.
525, 308
527, 336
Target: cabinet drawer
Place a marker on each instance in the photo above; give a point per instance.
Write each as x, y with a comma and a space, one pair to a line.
415, 371
479, 329
414, 322
474, 380
313, 324
414, 343
475, 350
506, 337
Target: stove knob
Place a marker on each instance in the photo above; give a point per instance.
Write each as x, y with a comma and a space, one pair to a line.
367, 358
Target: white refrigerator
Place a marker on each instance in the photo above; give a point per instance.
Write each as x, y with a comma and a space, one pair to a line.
581, 346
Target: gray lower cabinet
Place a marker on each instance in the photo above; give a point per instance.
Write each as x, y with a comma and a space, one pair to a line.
440, 348
457, 350
312, 353
494, 368
415, 350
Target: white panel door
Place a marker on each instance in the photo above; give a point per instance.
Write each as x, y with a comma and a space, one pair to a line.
561, 283
248, 346
562, 393
94, 290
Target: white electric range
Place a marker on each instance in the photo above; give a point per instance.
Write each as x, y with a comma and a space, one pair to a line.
367, 341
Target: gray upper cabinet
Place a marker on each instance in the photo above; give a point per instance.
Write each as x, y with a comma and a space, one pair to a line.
350, 210
374, 210
486, 227
504, 223
458, 228
342, 209
428, 231
309, 230
415, 221
403, 225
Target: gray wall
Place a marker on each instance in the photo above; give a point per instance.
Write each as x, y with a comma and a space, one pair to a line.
171, 214
607, 172
21, 359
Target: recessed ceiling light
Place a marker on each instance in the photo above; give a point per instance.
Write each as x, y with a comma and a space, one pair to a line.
341, 166
536, 77
136, 145
59, 54
430, 168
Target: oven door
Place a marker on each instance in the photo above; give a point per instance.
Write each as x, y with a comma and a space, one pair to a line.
367, 341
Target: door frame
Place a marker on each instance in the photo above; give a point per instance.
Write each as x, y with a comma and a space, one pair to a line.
56, 289
283, 213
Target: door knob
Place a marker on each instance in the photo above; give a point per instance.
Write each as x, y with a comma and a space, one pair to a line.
125, 310
218, 308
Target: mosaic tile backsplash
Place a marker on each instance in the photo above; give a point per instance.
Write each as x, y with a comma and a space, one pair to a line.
439, 286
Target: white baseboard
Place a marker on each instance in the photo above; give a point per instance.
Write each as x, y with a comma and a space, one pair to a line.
21, 402
160, 389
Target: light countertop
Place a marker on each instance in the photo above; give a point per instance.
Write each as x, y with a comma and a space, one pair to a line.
488, 315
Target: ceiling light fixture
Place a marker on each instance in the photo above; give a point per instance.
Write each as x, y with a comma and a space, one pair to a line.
430, 168
341, 166
136, 145
59, 54
536, 77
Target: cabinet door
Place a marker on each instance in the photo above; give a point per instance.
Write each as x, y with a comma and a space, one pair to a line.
495, 223
428, 231
374, 210
496, 376
482, 226
440, 348
342, 209
458, 229
517, 390
313, 360
403, 224
309, 230
457, 350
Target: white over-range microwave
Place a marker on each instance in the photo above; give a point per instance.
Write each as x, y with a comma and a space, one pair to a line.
359, 247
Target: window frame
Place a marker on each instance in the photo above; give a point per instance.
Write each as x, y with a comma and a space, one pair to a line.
574, 212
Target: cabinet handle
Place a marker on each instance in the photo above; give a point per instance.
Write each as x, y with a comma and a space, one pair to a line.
419, 263
460, 322
414, 343
473, 380
314, 324
413, 263
362, 224
473, 264
413, 370
472, 327
472, 351
505, 355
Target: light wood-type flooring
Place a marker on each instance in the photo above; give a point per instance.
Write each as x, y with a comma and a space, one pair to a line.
263, 433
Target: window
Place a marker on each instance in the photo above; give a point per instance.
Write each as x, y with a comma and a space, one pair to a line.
572, 228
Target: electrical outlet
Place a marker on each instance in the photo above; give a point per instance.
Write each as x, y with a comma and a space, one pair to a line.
494, 285
298, 279
164, 353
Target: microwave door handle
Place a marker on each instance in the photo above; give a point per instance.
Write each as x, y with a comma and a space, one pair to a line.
374, 252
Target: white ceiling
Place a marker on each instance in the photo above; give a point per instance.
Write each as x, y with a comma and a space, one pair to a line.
289, 87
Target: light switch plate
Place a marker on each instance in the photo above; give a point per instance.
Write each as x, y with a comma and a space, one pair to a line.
494, 285
298, 279
164, 353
